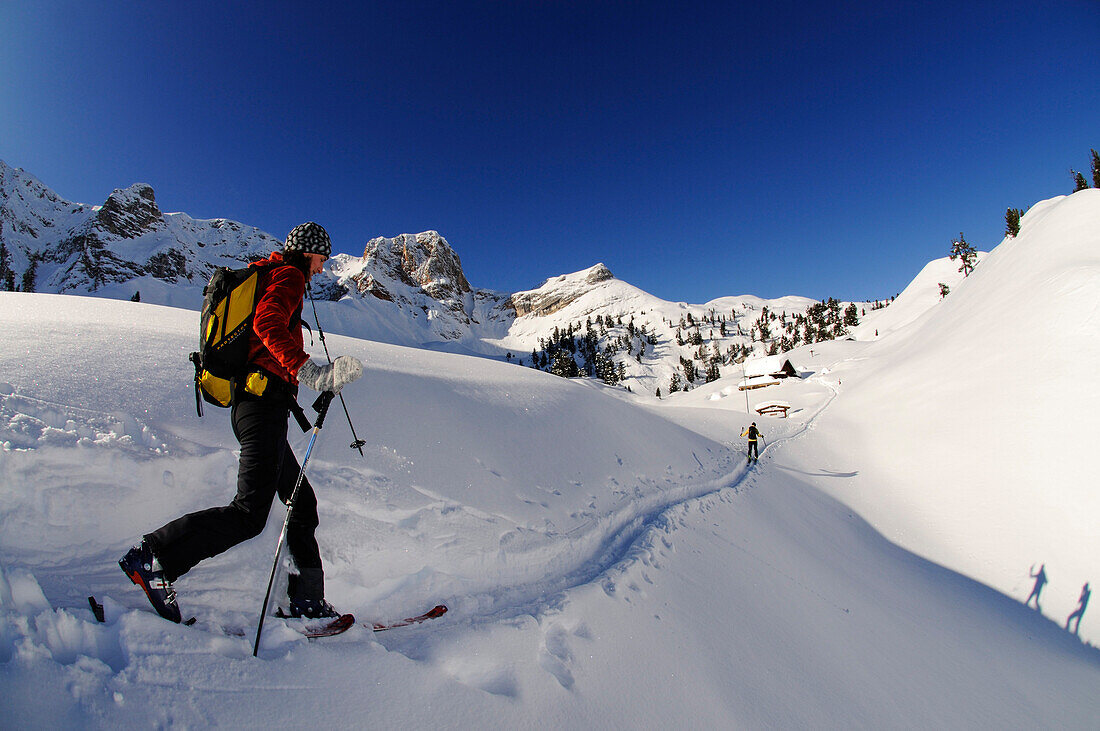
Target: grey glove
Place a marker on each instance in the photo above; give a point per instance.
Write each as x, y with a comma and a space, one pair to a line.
343, 371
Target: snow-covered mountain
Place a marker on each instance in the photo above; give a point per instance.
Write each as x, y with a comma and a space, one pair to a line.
609, 560
414, 287
407, 290
118, 249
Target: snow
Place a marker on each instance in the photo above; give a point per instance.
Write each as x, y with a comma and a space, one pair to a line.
981, 415
766, 366
918, 299
608, 559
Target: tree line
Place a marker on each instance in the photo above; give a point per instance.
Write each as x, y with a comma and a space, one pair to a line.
596, 347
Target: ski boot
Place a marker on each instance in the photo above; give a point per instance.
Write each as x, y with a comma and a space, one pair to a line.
312, 609
304, 590
143, 568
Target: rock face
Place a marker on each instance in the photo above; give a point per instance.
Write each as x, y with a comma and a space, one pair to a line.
130, 213
558, 292
126, 215
421, 276
78, 248
423, 261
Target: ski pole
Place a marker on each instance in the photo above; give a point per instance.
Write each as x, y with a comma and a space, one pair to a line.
358, 443
321, 405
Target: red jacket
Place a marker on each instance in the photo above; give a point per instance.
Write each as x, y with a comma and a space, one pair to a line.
277, 344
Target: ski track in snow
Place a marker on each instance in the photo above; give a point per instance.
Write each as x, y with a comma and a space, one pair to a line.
636, 541
612, 551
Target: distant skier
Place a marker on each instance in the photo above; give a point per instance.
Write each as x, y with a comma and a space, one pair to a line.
1040, 582
267, 464
1083, 602
752, 432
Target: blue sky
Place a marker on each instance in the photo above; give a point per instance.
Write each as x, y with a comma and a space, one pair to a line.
698, 149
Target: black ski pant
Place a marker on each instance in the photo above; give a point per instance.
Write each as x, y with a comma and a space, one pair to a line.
267, 466
753, 449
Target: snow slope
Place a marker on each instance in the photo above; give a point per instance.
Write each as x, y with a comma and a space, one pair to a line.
608, 559
922, 294
605, 566
974, 430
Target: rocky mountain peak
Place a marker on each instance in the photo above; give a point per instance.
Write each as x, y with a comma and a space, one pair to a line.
130, 212
79, 248
597, 274
559, 292
424, 261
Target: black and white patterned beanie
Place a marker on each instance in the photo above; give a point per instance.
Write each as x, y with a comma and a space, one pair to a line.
308, 238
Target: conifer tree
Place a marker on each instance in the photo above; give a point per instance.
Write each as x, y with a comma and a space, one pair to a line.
1095, 169
851, 315
689, 369
565, 366
1079, 181
944, 290
1012, 222
963, 251
7, 275
713, 372
765, 331
30, 275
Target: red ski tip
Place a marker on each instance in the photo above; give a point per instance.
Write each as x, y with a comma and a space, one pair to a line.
437, 611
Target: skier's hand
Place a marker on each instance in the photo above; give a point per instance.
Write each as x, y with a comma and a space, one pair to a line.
343, 371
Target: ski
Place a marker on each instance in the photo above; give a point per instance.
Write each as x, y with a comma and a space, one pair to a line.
100, 616
313, 631
437, 611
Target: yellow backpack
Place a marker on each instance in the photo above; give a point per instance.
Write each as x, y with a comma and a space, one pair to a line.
221, 362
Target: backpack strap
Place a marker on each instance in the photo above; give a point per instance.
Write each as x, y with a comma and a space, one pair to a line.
300, 415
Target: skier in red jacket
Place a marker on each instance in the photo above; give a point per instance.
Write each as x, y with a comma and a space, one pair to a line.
267, 463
